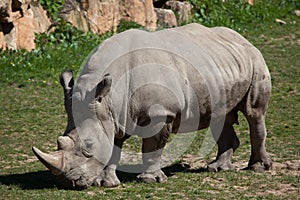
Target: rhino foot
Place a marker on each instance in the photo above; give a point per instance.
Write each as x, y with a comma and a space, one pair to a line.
218, 166
260, 166
151, 177
107, 179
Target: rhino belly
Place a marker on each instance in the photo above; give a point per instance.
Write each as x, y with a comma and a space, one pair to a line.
207, 105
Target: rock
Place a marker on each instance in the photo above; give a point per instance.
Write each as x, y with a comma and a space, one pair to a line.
139, 11
280, 21
10, 10
75, 14
2, 39
4, 10
42, 22
182, 9
165, 17
24, 34
102, 16
20, 20
251, 2
9, 32
296, 12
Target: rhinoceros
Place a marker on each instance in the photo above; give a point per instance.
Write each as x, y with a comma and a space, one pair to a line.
151, 84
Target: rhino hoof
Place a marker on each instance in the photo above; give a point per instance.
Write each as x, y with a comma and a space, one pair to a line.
216, 167
151, 177
259, 166
111, 183
107, 179
106, 183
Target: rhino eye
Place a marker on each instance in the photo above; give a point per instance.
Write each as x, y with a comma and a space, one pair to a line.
86, 151
88, 144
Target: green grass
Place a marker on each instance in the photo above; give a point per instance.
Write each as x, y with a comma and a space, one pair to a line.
32, 114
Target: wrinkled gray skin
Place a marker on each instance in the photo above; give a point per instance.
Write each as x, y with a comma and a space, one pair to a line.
198, 76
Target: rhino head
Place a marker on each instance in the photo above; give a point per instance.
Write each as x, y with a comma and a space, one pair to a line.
81, 158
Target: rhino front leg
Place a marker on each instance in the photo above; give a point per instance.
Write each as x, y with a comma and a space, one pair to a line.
109, 178
227, 143
152, 150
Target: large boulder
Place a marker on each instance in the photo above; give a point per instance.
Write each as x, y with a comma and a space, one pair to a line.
139, 11
25, 29
182, 9
20, 20
102, 16
165, 17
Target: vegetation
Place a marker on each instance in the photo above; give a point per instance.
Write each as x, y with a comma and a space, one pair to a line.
52, 7
238, 14
32, 113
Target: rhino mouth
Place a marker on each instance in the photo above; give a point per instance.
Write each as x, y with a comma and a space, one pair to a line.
63, 182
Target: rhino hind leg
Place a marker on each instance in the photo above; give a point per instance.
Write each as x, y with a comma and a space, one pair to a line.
152, 150
254, 107
259, 160
227, 142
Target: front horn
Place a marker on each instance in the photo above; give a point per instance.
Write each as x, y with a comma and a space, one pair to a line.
53, 161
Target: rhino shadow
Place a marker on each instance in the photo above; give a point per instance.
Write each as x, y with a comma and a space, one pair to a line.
46, 180
179, 167
169, 171
30, 181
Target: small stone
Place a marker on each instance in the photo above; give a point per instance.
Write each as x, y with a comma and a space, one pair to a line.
293, 165
48, 83
296, 12
280, 21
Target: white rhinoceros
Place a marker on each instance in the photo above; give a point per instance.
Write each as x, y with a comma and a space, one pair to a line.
153, 84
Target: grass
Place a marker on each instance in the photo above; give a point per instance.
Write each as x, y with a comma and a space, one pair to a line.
32, 114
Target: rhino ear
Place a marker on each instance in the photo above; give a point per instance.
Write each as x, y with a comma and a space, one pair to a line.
67, 80
103, 87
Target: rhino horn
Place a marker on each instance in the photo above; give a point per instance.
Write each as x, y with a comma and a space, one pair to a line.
65, 143
53, 161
